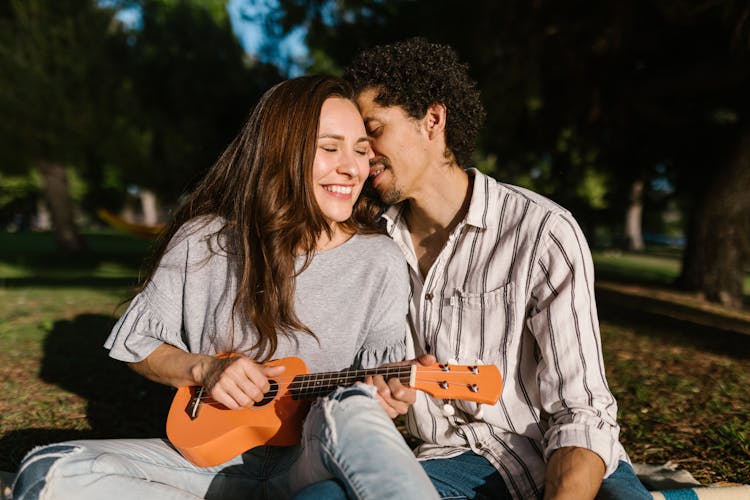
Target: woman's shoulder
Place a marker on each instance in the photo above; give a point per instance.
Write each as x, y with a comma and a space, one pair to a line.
378, 253
377, 245
200, 228
197, 239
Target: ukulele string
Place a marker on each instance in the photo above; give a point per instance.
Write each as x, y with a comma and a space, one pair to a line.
209, 400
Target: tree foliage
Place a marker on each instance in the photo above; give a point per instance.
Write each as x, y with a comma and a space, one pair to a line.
56, 85
150, 105
57, 62
193, 87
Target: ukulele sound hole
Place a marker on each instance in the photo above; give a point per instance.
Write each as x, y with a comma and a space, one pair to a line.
270, 395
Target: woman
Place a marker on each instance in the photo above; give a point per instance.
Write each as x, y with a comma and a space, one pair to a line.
272, 255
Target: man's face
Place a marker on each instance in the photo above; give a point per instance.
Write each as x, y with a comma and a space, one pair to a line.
398, 142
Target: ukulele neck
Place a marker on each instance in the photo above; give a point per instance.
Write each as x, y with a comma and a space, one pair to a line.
312, 385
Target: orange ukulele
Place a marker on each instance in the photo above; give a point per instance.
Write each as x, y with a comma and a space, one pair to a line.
208, 433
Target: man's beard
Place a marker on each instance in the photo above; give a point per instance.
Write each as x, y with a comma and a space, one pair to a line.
391, 196
388, 195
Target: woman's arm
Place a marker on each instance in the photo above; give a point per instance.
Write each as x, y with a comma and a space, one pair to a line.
169, 365
235, 381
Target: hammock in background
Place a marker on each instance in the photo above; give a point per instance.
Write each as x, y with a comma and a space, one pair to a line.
137, 230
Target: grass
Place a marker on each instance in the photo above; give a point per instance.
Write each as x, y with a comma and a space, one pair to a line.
682, 394
57, 381
678, 366
681, 383
656, 267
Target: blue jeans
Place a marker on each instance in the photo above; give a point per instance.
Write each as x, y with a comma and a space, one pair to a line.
471, 476
623, 484
346, 436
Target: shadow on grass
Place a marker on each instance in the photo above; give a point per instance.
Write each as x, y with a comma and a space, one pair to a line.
36, 253
675, 324
120, 403
69, 282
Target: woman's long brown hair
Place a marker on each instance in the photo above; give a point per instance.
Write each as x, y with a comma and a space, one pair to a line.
262, 188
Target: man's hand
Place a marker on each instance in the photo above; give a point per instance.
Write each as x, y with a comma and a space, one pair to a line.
394, 397
574, 473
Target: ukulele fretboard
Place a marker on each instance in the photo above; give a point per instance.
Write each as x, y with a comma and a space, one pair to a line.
312, 385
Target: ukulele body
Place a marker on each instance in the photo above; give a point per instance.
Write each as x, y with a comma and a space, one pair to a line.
216, 433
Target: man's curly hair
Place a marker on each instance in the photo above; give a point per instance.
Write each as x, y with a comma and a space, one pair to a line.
415, 74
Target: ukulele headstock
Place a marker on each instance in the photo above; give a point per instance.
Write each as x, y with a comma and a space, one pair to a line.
478, 383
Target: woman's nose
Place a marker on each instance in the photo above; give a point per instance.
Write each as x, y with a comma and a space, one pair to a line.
347, 165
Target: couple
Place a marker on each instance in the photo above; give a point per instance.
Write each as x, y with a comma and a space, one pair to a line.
276, 254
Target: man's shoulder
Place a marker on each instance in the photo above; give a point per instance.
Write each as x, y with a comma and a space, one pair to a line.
522, 203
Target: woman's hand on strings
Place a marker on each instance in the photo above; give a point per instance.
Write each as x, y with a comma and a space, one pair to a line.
238, 381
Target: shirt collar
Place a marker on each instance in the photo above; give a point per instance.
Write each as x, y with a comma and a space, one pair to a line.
479, 205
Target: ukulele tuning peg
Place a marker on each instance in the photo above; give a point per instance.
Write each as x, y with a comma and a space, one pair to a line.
448, 410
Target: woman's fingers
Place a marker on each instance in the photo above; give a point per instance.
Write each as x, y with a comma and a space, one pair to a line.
243, 382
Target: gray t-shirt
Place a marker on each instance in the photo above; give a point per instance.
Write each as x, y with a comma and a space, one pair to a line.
353, 297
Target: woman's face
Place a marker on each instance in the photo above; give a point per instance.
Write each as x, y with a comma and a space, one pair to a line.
342, 159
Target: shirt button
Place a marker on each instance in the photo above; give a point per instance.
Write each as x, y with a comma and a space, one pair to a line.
428, 296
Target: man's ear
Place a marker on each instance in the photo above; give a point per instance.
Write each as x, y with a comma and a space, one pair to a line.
434, 120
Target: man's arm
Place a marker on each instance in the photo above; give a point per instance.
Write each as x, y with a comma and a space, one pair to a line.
574, 473
582, 439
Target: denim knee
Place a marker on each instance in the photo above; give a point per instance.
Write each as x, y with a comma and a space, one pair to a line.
34, 470
623, 484
343, 393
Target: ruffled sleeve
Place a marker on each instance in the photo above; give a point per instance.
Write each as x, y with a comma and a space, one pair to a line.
142, 329
374, 356
385, 341
155, 316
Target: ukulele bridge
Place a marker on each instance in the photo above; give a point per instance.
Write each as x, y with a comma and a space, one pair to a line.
195, 403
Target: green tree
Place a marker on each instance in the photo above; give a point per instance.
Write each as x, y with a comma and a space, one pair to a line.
57, 78
193, 85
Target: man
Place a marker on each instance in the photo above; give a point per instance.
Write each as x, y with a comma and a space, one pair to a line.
499, 275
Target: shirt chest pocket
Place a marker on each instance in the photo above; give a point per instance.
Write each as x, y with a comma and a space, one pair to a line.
480, 323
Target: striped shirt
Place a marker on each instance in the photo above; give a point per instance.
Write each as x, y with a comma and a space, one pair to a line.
513, 286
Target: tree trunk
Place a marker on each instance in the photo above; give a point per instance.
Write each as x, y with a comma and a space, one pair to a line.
718, 246
634, 218
60, 204
149, 205
42, 221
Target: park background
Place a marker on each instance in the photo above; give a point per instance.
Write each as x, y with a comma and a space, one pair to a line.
632, 114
